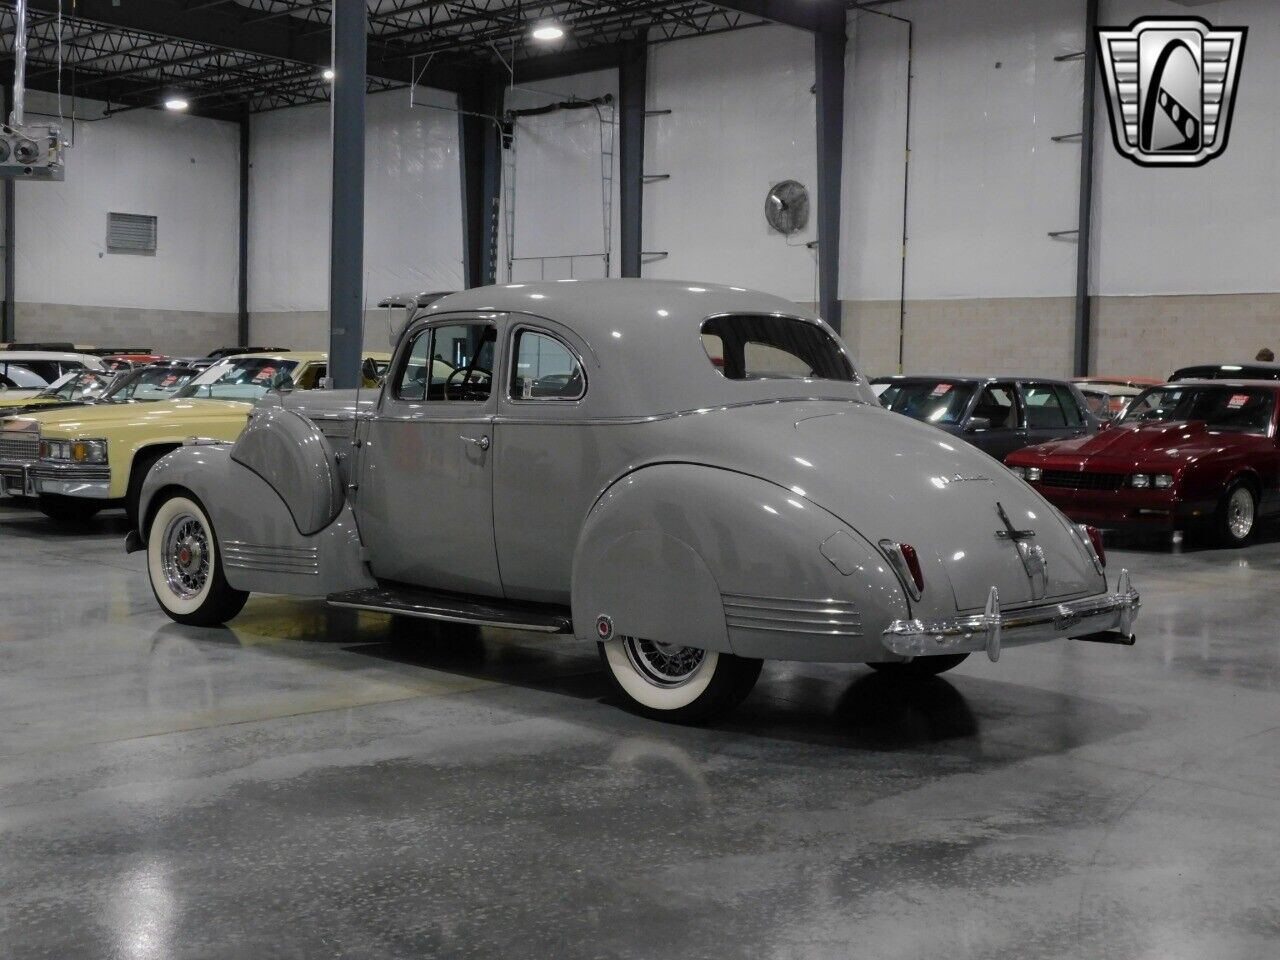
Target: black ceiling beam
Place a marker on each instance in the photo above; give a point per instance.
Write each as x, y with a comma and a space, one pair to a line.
233, 27
816, 16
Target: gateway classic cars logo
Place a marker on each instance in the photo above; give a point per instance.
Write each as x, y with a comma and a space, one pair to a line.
1171, 86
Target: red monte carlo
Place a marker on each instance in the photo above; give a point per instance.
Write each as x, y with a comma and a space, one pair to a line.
1184, 455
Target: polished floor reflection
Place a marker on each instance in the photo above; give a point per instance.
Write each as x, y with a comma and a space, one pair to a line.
313, 783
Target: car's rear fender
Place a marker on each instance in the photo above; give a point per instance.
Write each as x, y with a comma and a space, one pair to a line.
700, 556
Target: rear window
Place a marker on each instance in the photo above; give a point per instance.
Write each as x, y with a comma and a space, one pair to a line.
934, 401
773, 348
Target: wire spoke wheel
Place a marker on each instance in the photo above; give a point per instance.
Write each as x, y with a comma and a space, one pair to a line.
663, 664
186, 556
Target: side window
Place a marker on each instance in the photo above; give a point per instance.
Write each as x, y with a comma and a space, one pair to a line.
412, 384
450, 362
996, 404
1069, 406
543, 368
1044, 410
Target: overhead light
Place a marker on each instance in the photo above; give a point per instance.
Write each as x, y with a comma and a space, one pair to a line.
328, 73
175, 102
548, 31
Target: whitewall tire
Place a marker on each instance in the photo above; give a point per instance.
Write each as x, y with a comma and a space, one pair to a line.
679, 684
184, 565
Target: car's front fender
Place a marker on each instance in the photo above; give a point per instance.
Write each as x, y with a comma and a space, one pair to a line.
699, 556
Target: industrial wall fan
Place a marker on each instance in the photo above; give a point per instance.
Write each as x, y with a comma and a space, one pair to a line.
786, 207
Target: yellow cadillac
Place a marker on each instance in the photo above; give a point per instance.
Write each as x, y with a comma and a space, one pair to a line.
83, 459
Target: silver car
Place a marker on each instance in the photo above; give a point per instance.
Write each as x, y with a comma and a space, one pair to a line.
694, 476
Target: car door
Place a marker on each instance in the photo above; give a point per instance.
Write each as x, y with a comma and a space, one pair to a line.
998, 405
547, 460
425, 496
1047, 417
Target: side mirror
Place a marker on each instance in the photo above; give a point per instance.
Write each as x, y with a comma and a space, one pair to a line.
977, 425
369, 370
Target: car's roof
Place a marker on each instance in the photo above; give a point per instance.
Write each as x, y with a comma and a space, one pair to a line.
962, 378
1269, 366
1273, 385
641, 340
595, 309
17, 356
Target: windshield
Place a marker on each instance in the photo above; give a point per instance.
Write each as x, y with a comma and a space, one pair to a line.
935, 401
246, 379
151, 383
84, 385
750, 347
1241, 409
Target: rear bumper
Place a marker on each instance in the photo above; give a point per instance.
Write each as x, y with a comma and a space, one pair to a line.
1127, 507
1108, 614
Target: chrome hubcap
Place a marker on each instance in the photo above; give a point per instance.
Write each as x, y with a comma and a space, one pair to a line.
1240, 513
663, 664
185, 556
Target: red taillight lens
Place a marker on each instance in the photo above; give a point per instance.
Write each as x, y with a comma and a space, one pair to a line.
1095, 538
913, 564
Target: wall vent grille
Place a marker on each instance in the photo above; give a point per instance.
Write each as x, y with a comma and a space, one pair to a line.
131, 233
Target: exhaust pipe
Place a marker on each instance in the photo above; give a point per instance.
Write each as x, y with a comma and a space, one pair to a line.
1110, 636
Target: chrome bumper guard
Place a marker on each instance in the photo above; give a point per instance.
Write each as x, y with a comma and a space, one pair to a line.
1107, 618
71, 480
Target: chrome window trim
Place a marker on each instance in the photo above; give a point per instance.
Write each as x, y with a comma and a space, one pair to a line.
512, 339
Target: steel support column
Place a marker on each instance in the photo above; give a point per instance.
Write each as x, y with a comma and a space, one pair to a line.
242, 296
632, 74
8, 322
479, 137
346, 229
1084, 319
829, 47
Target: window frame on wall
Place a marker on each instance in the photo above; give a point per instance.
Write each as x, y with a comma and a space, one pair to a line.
513, 350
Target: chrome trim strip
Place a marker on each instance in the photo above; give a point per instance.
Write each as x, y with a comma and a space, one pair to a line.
536, 627
73, 488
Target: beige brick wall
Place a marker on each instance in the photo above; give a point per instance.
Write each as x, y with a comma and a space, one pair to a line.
173, 332
309, 329
1139, 336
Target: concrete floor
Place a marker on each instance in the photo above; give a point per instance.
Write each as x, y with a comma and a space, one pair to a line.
306, 784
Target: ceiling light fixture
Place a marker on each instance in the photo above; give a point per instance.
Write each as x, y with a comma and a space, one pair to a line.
175, 102
328, 73
548, 31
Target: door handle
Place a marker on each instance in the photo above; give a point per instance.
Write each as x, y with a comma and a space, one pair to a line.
481, 442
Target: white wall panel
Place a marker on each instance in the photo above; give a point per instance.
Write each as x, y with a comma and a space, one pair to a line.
1213, 229
986, 182
183, 170
559, 192
413, 202
742, 119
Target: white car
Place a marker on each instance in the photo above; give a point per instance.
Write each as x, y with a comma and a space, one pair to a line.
30, 371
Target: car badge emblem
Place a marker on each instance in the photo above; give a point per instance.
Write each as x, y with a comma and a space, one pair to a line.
960, 478
604, 627
1171, 88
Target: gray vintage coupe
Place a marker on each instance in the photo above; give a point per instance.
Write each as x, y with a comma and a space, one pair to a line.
694, 476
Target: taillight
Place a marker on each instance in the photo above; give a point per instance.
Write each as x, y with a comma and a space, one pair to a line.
913, 564
1095, 541
906, 563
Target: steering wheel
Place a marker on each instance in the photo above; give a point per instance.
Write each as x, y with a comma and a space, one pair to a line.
466, 378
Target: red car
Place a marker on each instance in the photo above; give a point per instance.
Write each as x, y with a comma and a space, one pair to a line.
1184, 454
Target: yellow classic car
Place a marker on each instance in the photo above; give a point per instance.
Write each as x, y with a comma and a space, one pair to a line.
82, 459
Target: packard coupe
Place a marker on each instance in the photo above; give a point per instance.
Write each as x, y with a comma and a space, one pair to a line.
693, 476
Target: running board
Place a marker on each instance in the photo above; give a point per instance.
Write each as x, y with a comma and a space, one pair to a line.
480, 611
